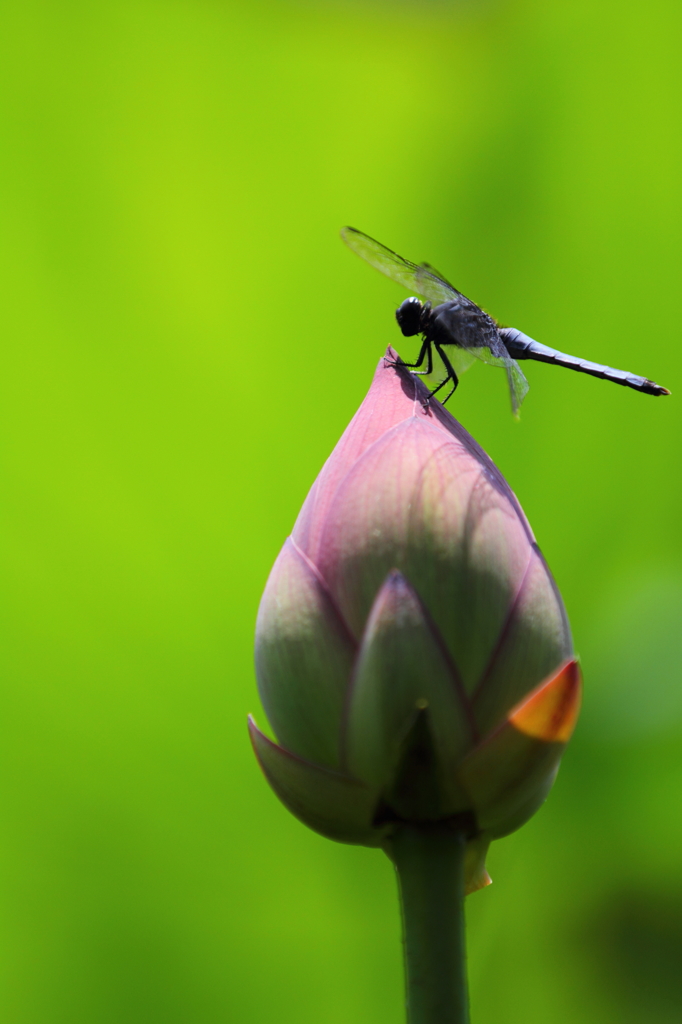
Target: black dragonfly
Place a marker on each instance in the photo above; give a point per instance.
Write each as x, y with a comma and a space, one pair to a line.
449, 319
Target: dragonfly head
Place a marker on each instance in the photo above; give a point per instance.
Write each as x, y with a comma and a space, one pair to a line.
409, 316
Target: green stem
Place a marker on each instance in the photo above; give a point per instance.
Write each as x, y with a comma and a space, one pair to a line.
429, 861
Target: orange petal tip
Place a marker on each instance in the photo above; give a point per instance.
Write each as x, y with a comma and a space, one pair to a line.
551, 711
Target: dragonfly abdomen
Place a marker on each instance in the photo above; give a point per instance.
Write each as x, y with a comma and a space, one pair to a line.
520, 346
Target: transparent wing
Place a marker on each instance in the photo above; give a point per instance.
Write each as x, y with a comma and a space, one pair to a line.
432, 286
475, 335
422, 280
518, 385
461, 359
497, 355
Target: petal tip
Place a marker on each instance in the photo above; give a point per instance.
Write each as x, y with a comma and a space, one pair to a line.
551, 711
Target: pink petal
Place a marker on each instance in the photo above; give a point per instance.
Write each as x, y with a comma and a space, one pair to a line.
419, 501
394, 396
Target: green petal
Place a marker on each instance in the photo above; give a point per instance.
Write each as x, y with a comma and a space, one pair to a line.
304, 659
533, 641
332, 804
519, 813
510, 772
403, 669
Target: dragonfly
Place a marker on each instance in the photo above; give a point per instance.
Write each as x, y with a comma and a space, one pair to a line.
447, 319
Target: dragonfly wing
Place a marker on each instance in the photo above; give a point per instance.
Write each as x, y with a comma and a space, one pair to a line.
422, 280
461, 358
518, 385
494, 353
430, 285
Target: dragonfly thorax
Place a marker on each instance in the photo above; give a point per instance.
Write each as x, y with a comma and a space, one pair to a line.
409, 316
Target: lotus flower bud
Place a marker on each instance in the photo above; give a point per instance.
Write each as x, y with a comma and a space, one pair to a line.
412, 650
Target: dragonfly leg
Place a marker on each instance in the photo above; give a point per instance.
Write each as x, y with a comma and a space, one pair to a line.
424, 353
451, 375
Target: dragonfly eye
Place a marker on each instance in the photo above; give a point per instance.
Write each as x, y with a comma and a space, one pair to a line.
409, 316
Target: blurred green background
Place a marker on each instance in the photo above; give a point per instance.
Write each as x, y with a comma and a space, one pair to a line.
184, 339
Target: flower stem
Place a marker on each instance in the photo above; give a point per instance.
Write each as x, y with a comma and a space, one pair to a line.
429, 861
